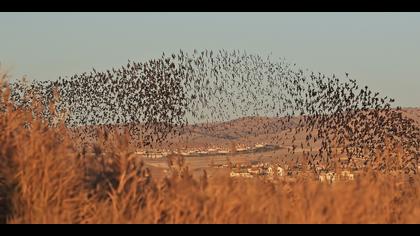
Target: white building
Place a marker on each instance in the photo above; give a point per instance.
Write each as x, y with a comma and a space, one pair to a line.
327, 177
223, 151
347, 175
141, 152
270, 171
280, 171
240, 174
253, 170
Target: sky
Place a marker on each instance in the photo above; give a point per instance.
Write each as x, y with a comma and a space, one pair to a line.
381, 50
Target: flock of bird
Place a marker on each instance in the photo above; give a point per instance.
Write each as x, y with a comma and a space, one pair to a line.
166, 95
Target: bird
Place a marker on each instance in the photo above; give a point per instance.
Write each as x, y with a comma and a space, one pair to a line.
162, 97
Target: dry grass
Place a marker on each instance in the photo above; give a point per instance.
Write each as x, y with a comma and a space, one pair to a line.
44, 179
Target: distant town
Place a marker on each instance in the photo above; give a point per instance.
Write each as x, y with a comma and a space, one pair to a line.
253, 168
276, 170
212, 151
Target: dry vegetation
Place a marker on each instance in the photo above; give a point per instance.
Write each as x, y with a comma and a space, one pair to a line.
45, 179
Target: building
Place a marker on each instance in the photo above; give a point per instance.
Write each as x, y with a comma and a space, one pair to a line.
223, 151
270, 171
141, 152
347, 175
254, 164
240, 173
328, 177
253, 170
280, 171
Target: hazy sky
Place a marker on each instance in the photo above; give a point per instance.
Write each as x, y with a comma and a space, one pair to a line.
381, 50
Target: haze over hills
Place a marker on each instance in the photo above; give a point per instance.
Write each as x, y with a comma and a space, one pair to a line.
251, 130
247, 131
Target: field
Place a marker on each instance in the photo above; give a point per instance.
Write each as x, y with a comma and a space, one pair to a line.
197, 165
201, 118
52, 173
43, 180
